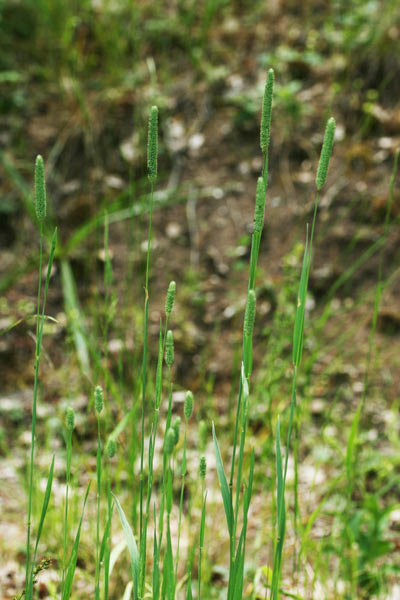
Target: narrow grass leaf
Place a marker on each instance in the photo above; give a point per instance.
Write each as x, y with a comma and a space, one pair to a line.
45, 506
132, 547
226, 497
74, 315
71, 567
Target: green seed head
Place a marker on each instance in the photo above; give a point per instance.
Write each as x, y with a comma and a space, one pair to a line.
98, 399
70, 418
265, 129
188, 405
260, 206
169, 349
326, 153
250, 313
111, 447
203, 467
40, 189
169, 441
169, 302
152, 144
176, 425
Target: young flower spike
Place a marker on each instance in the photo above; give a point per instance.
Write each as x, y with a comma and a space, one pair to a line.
169, 441
98, 399
326, 153
169, 349
70, 418
169, 301
152, 144
176, 425
260, 206
250, 313
203, 467
265, 129
111, 447
188, 405
40, 189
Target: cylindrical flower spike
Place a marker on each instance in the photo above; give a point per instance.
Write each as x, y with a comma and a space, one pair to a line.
70, 418
326, 153
265, 129
40, 189
260, 206
188, 405
250, 313
203, 467
169, 349
169, 302
152, 144
111, 447
98, 399
176, 425
169, 441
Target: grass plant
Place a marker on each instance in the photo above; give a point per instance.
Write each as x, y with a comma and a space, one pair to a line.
160, 482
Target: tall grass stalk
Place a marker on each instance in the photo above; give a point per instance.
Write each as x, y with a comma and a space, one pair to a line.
187, 411
232, 508
40, 208
99, 403
202, 473
152, 156
298, 339
70, 424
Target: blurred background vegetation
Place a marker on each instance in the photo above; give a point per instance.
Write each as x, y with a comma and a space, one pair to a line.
77, 80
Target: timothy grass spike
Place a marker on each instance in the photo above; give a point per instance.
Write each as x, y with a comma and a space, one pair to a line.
203, 467
176, 425
169, 349
326, 153
70, 418
152, 144
169, 441
265, 130
98, 399
169, 302
40, 190
250, 313
111, 447
260, 206
188, 405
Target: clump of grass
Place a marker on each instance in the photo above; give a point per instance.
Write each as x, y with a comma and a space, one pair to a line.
236, 487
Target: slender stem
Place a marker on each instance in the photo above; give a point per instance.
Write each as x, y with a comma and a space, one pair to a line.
68, 478
181, 501
144, 367
97, 574
35, 393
